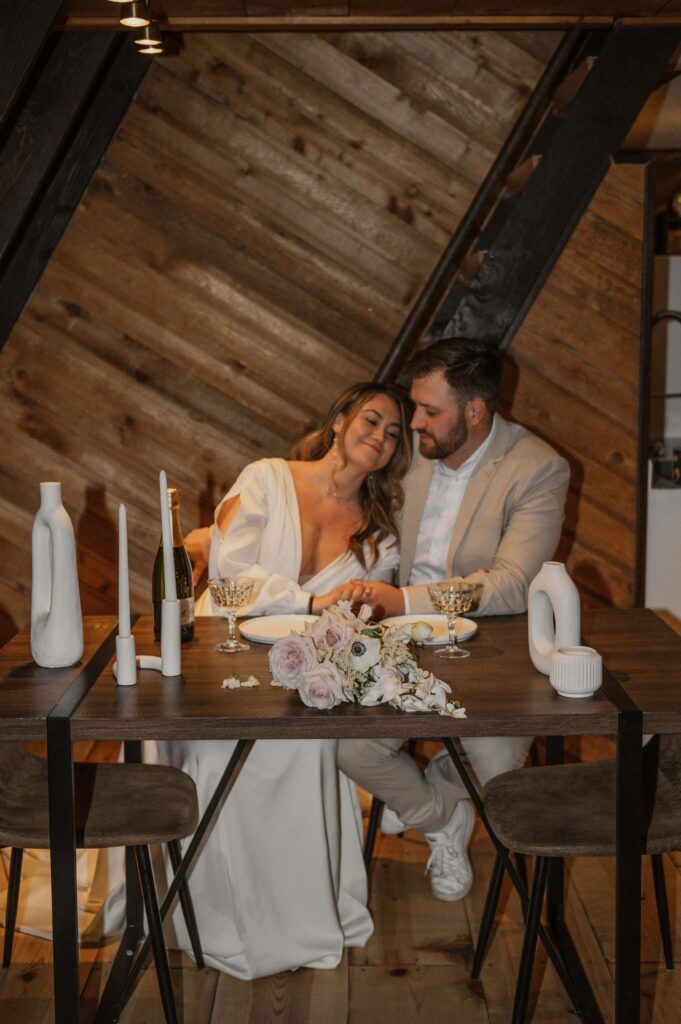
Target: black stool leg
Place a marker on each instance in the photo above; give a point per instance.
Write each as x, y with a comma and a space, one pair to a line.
156, 933
522, 991
491, 901
12, 903
374, 818
521, 868
186, 904
662, 909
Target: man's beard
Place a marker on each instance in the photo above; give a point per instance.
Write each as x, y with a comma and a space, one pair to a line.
447, 446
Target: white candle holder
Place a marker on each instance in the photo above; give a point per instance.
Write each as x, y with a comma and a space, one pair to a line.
125, 667
127, 662
171, 658
576, 671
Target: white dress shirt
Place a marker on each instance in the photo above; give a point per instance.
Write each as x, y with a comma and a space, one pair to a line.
445, 494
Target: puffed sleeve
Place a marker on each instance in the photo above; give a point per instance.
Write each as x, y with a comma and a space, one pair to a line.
259, 542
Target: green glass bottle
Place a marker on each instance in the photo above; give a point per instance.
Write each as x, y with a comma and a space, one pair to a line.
183, 576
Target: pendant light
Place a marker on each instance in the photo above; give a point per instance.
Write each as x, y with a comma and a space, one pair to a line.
135, 14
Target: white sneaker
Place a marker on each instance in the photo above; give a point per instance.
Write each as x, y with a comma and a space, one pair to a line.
390, 824
451, 874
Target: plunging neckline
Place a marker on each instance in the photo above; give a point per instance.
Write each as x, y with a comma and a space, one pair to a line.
299, 532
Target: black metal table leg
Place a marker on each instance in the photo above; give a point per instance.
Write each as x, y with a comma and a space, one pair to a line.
628, 869
63, 871
61, 801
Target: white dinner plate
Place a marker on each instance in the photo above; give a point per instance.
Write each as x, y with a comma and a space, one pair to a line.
269, 628
465, 628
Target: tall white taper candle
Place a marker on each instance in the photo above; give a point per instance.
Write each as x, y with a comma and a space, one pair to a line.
123, 584
167, 532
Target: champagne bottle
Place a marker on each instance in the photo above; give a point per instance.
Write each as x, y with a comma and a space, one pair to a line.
183, 576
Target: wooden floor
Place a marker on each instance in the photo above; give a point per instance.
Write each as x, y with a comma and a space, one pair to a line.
414, 970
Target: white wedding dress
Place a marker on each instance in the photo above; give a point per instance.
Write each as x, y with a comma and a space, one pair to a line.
280, 880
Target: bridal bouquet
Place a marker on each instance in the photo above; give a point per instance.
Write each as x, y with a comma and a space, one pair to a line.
345, 657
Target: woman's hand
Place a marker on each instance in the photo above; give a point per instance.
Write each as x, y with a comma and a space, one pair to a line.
351, 592
383, 599
197, 544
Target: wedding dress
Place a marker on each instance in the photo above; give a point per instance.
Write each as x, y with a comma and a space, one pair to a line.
280, 881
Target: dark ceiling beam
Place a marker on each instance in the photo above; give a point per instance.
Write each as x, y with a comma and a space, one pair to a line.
24, 27
372, 23
104, 90
487, 195
527, 245
69, 66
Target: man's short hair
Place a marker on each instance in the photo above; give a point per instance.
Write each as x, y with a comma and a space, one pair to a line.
473, 369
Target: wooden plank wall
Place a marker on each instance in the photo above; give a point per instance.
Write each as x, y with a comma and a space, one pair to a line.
250, 245
574, 380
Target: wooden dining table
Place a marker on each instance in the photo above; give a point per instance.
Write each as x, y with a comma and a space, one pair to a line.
502, 692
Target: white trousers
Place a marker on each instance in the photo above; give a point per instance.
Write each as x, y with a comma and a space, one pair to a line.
388, 772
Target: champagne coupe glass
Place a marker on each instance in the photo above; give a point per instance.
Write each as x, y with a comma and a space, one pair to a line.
452, 598
231, 593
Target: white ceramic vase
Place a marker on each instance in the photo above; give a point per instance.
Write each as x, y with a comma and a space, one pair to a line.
553, 614
56, 622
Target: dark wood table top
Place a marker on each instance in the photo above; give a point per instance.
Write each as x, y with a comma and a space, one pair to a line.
28, 693
644, 655
499, 687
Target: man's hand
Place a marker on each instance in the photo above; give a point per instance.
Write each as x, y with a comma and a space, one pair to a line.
197, 543
351, 592
384, 599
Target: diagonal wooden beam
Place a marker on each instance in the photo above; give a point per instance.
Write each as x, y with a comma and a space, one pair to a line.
431, 295
70, 66
546, 212
24, 27
112, 84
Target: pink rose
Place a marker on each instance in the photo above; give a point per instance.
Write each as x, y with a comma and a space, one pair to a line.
322, 687
330, 632
290, 656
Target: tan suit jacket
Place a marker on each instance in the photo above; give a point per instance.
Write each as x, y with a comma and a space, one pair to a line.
508, 525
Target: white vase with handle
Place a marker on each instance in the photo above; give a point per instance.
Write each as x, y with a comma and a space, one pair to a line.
553, 614
56, 621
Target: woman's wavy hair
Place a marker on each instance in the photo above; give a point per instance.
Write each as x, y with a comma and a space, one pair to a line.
381, 495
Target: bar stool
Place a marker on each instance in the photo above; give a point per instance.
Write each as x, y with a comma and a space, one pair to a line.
116, 805
569, 811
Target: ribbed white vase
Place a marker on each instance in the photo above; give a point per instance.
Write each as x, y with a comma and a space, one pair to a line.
553, 614
56, 622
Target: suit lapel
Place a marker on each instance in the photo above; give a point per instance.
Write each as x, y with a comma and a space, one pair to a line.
416, 486
478, 484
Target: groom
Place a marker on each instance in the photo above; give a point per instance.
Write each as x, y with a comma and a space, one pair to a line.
484, 500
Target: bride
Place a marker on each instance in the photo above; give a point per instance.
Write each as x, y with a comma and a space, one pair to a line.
280, 881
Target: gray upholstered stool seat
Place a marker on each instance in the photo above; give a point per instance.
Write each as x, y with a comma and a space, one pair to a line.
116, 805
569, 811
